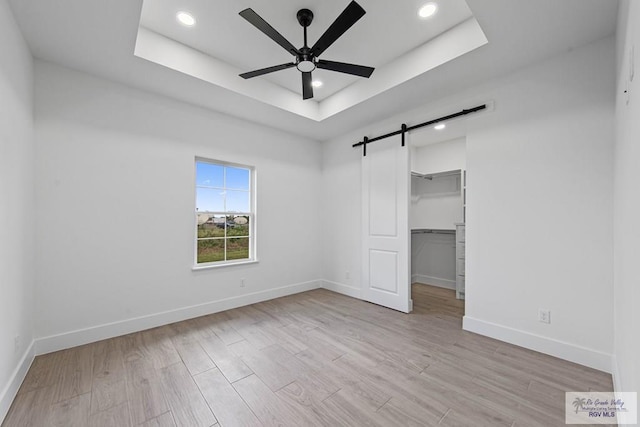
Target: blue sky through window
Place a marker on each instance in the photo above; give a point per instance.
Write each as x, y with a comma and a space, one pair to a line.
209, 200
209, 175
231, 192
237, 178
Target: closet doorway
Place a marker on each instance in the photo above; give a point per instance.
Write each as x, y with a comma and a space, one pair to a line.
437, 221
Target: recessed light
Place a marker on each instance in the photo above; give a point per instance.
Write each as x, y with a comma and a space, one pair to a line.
428, 10
186, 19
440, 126
316, 83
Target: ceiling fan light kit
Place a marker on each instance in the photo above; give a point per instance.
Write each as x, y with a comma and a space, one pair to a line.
306, 58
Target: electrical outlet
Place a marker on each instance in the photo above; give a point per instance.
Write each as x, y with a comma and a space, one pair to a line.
242, 283
347, 275
544, 315
16, 343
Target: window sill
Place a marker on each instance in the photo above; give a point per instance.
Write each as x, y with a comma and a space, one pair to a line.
228, 264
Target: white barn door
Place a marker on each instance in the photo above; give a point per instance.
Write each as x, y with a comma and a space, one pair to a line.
386, 180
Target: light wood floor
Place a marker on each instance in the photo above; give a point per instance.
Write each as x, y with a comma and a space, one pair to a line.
316, 358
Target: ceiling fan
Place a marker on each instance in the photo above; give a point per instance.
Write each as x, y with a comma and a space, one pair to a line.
306, 58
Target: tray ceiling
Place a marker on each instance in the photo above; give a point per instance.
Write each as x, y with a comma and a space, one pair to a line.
391, 37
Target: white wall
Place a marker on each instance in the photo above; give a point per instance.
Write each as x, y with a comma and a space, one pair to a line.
436, 203
439, 157
538, 208
115, 177
341, 200
627, 204
433, 259
16, 206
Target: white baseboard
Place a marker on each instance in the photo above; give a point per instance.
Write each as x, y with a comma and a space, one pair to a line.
15, 381
343, 289
433, 281
563, 350
96, 333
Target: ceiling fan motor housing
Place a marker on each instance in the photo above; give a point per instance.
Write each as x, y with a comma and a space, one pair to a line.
305, 61
305, 17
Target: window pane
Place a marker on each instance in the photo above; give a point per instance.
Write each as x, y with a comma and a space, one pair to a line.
237, 201
209, 200
237, 178
237, 248
212, 226
238, 225
209, 175
210, 250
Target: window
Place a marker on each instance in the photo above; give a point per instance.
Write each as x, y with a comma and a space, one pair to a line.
225, 217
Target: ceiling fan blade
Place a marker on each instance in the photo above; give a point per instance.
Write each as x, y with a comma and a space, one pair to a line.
307, 88
264, 26
342, 67
267, 70
347, 18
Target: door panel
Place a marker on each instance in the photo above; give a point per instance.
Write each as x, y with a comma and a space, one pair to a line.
383, 271
383, 186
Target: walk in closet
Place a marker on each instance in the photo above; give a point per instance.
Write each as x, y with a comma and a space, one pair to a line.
437, 214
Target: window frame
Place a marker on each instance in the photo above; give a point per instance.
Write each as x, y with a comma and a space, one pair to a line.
252, 215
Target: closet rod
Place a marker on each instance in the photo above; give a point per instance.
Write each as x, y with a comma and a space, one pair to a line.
406, 128
430, 176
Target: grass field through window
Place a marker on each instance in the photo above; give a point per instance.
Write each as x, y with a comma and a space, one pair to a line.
214, 236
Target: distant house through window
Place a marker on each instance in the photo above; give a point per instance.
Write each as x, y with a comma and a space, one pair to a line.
225, 217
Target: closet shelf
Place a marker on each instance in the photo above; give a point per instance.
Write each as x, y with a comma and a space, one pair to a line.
431, 176
435, 195
432, 231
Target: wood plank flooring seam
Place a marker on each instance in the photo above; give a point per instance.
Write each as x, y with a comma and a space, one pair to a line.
241, 398
331, 395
